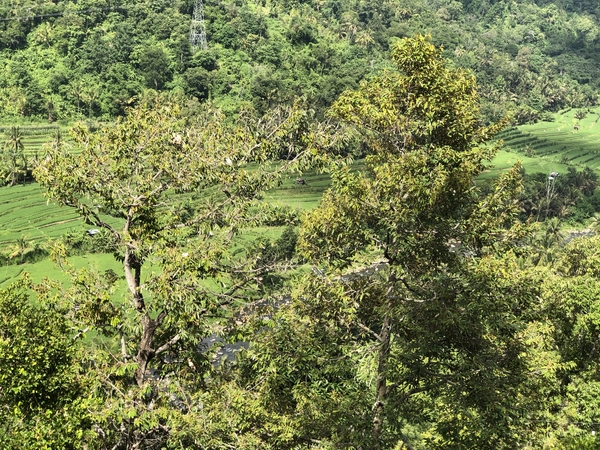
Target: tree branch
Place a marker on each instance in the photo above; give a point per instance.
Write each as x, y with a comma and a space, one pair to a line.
123, 345
97, 221
368, 330
82, 332
163, 348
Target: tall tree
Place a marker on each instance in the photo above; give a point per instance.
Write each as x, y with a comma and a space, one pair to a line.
570, 292
131, 179
445, 319
40, 378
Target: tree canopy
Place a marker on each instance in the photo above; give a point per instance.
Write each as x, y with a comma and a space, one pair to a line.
171, 192
422, 347
420, 313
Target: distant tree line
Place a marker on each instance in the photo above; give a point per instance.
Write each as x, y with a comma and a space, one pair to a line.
571, 195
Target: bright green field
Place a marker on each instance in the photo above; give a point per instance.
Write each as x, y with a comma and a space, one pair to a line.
24, 212
35, 136
47, 268
553, 146
297, 196
506, 159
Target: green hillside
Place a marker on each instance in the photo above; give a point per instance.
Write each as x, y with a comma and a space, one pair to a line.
25, 212
86, 59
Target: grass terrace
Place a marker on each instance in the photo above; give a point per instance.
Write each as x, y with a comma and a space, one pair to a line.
543, 147
553, 146
24, 212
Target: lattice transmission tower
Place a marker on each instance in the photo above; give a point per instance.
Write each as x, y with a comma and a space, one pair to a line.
197, 29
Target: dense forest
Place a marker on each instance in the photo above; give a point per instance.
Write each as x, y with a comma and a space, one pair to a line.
417, 306
66, 60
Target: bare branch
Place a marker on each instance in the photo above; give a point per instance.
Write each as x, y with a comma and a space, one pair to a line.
167, 345
100, 223
123, 345
368, 330
82, 332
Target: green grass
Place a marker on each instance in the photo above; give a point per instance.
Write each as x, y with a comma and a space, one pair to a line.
35, 136
24, 212
48, 268
554, 146
506, 159
298, 196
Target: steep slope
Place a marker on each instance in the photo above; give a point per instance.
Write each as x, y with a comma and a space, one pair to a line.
66, 59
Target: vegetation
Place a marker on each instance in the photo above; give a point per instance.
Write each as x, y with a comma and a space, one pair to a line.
419, 317
68, 60
425, 301
131, 180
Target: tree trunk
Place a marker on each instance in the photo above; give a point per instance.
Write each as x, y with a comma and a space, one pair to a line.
384, 353
133, 276
381, 386
146, 352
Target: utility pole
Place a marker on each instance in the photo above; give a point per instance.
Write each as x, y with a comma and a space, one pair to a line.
197, 29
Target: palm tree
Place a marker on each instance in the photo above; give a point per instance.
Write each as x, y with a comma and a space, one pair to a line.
348, 25
44, 34
13, 155
364, 38
90, 94
78, 91
15, 139
19, 248
548, 242
553, 234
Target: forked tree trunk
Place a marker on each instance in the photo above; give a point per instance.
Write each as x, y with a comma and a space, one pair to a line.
146, 352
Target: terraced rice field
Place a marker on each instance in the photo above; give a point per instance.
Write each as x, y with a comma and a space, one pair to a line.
48, 268
36, 135
559, 144
300, 196
25, 213
543, 147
